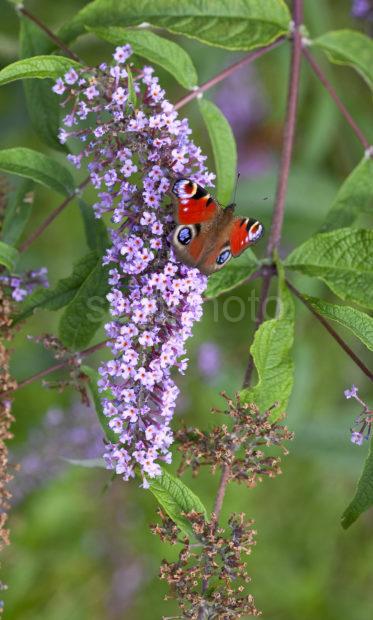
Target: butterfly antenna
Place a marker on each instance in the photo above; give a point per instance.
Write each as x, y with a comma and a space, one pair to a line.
235, 188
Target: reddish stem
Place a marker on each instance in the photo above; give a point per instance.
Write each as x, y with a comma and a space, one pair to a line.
21, 9
58, 366
331, 331
227, 72
51, 217
286, 153
323, 79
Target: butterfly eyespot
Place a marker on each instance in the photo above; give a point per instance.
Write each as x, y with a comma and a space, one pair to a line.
256, 231
185, 235
223, 257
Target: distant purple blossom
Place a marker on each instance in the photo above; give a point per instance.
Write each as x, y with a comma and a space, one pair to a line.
133, 156
362, 427
242, 99
209, 359
24, 284
74, 433
362, 9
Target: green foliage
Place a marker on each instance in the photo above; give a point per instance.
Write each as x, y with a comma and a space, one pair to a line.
43, 104
234, 25
349, 47
156, 49
271, 352
93, 378
89, 463
223, 147
38, 167
63, 293
95, 230
85, 312
363, 498
8, 256
343, 259
175, 498
232, 276
354, 197
358, 322
40, 67
17, 212
132, 98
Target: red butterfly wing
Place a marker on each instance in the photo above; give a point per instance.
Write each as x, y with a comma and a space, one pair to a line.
244, 232
195, 205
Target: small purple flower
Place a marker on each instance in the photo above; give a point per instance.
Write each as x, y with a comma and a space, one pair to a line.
352, 393
357, 438
59, 87
362, 427
71, 76
26, 283
122, 53
91, 92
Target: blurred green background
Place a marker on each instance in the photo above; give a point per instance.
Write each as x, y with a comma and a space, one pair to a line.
81, 548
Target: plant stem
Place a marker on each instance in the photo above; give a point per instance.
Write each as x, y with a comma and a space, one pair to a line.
58, 366
26, 13
225, 473
331, 331
51, 217
278, 212
227, 72
283, 178
325, 82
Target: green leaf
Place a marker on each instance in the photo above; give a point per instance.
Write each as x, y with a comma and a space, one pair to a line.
223, 147
85, 312
43, 104
175, 497
93, 378
132, 97
63, 293
40, 67
17, 212
271, 352
354, 197
232, 276
158, 50
233, 25
363, 498
38, 167
349, 47
8, 256
359, 323
95, 229
87, 462
343, 259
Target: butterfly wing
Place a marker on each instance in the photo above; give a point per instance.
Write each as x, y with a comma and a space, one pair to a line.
235, 235
194, 204
197, 214
244, 231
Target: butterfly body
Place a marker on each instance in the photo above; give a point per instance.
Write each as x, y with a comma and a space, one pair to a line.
208, 236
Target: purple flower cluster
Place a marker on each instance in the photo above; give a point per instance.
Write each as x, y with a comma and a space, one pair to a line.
135, 151
23, 285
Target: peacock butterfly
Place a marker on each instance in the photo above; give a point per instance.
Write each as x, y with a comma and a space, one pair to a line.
207, 236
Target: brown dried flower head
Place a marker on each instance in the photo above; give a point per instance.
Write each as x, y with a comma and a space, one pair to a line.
208, 579
241, 443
